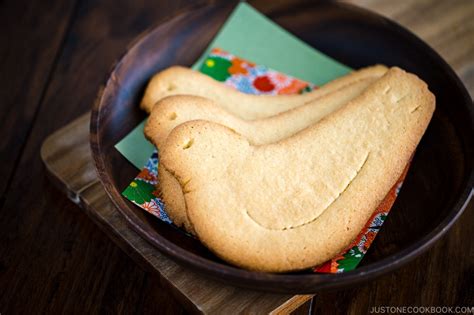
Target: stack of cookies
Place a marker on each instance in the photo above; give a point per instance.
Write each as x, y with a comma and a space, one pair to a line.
266, 182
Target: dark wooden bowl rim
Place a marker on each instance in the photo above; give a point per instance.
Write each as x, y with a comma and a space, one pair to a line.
268, 281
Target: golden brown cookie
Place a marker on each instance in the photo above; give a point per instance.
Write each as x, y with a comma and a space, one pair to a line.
178, 80
298, 202
175, 110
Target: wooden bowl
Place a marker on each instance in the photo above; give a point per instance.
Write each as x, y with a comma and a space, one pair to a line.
436, 190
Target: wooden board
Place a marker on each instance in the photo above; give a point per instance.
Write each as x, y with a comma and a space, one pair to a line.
67, 157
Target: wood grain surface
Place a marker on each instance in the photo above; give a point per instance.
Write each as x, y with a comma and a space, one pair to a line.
54, 259
67, 157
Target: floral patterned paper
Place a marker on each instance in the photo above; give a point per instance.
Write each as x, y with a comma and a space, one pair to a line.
250, 78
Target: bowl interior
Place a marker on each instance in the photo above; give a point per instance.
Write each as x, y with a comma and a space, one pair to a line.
438, 181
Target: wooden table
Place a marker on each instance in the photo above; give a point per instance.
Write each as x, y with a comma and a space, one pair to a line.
53, 259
